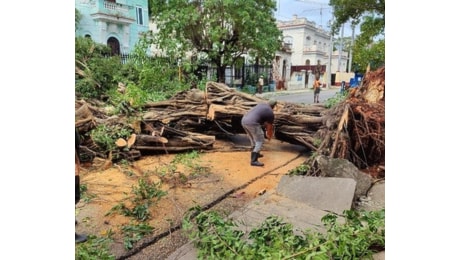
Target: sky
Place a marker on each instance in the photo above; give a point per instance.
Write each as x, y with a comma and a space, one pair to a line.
317, 11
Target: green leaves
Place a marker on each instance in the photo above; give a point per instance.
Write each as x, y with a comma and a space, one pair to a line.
147, 190
222, 30
215, 236
78, 17
134, 232
336, 99
106, 135
353, 236
369, 54
93, 68
299, 170
94, 248
370, 43
361, 232
146, 194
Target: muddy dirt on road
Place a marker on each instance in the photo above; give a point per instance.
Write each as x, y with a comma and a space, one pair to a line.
225, 182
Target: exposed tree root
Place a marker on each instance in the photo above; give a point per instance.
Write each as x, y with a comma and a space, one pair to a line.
355, 128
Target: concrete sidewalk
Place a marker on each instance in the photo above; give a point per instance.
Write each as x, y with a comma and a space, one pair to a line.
301, 201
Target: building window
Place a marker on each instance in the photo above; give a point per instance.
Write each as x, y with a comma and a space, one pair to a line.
308, 38
307, 62
140, 15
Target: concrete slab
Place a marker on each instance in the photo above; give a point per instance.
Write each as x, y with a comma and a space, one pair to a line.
379, 256
299, 200
375, 199
300, 215
185, 252
325, 193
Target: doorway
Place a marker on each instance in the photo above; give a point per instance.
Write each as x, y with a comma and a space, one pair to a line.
114, 45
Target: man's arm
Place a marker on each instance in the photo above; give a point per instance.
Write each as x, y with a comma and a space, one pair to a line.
269, 130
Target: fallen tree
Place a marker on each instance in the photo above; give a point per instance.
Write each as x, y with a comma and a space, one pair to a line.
193, 119
353, 129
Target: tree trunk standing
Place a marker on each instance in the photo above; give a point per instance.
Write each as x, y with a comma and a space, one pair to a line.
221, 73
256, 67
243, 75
220, 69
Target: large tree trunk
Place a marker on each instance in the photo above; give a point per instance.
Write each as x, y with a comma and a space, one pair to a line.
352, 130
221, 73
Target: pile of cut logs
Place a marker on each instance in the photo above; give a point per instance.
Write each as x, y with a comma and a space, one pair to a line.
354, 129
193, 119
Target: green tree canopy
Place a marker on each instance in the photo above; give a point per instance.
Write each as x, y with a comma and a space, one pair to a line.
219, 30
78, 17
369, 46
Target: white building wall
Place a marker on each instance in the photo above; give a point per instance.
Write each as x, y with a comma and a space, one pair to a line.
311, 42
297, 46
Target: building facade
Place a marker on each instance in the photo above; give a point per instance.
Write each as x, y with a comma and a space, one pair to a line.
307, 45
116, 23
310, 45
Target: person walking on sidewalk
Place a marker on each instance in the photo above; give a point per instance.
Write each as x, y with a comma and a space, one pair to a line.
316, 90
252, 122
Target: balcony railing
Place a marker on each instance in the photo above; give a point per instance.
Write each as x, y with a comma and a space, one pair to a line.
114, 12
314, 49
116, 7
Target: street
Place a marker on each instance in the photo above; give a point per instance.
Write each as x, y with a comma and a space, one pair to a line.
302, 96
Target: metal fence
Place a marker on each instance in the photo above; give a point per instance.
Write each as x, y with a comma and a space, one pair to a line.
246, 75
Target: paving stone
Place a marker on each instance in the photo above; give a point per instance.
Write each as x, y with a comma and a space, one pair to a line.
300, 215
325, 193
299, 200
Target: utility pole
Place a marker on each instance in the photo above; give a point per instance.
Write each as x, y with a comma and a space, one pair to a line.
340, 49
351, 46
331, 46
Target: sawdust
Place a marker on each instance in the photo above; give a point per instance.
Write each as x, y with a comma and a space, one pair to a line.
226, 174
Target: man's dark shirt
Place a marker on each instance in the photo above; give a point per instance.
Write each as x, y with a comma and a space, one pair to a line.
259, 114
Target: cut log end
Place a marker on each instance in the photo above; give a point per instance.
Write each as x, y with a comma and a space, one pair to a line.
131, 140
121, 143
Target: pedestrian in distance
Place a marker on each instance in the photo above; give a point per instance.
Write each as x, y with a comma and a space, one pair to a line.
253, 121
260, 84
79, 238
316, 90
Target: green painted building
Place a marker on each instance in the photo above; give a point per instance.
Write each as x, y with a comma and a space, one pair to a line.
116, 23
